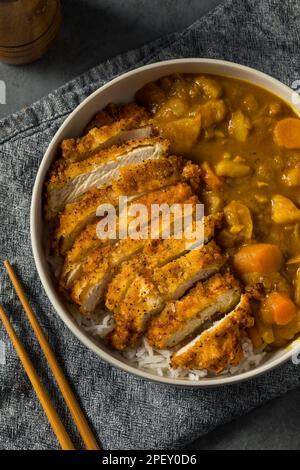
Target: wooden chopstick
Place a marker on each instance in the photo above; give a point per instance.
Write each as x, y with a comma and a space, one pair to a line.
77, 414
39, 389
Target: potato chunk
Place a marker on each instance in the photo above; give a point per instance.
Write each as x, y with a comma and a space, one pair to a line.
151, 96
212, 112
250, 104
292, 177
231, 169
172, 109
284, 211
239, 126
210, 87
239, 220
182, 133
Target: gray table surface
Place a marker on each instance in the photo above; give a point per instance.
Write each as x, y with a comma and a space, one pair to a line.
94, 30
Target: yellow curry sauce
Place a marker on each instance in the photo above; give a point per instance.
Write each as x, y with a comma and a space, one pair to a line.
229, 126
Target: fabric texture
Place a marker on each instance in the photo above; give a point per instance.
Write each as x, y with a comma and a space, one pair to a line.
124, 411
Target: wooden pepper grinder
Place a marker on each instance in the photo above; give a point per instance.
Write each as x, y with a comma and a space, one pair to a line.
27, 29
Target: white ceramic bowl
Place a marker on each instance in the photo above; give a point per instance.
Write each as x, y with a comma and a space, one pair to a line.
121, 90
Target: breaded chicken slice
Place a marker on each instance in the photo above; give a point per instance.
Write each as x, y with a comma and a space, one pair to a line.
148, 294
175, 278
219, 346
89, 239
115, 112
152, 174
134, 124
160, 250
142, 301
156, 253
67, 182
77, 215
134, 180
202, 303
88, 291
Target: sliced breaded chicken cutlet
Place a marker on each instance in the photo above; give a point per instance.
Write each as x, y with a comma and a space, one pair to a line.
89, 239
155, 254
66, 182
115, 112
179, 319
97, 269
148, 294
134, 181
133, 123
219, 346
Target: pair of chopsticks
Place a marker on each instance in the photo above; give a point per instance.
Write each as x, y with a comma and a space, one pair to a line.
76, 412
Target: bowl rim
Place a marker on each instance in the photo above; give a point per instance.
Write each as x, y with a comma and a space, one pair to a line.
40, 259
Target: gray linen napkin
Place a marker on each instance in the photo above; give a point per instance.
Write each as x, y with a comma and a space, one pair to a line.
125, 412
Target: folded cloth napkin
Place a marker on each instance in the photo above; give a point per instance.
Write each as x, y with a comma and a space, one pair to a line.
125, 412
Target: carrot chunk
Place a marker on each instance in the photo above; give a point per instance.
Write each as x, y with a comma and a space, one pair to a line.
278, 309
287, 133
262, 258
